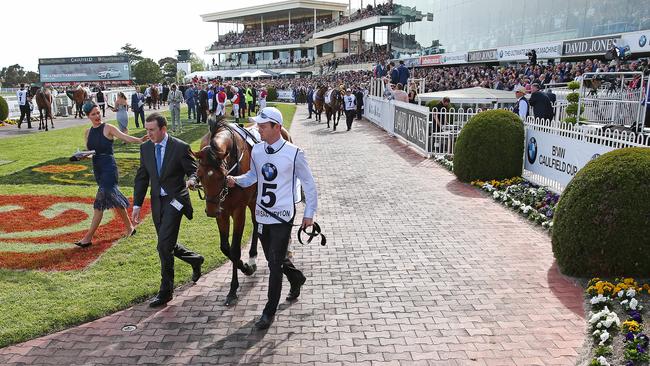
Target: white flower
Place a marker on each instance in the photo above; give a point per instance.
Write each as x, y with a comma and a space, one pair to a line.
620, 293
495, 195
597, 299
624, 303
630, 292
633, 304
602, 361
604, 336
597, 332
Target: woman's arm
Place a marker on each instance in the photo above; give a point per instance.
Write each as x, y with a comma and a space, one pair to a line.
117, 134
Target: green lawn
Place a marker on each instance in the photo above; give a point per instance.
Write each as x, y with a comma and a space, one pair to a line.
34, 303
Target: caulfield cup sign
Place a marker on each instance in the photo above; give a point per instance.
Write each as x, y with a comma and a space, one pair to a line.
556, 157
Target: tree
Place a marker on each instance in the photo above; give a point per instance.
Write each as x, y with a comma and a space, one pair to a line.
132, 53
197, 63
147, 71
14, 75
168, 66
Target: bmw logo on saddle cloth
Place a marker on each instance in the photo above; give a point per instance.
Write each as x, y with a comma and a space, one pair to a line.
269, 171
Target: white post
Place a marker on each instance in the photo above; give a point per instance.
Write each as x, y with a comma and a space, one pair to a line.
289, 23
262, 24
217, 31
314, 20
349, 42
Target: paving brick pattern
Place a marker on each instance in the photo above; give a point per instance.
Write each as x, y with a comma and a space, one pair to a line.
419, 270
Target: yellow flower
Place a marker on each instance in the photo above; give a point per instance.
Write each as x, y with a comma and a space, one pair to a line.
631, 326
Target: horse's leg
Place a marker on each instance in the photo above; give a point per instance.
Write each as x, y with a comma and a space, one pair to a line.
49, 112
224, 230
40, 119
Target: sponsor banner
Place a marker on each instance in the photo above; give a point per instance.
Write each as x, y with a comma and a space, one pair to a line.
543, 50
412, 125
483, 55
83, 60
377, 111
431, 60
589, 46
557, 157
285, 95
412, 62
61, 73
454, 58
638, 41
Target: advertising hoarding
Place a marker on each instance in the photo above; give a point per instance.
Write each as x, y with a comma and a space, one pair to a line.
83, 69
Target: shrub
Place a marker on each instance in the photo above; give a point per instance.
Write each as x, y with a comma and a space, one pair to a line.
272, 94
4, 109
490, 146
573, 85
573, 97
602, 222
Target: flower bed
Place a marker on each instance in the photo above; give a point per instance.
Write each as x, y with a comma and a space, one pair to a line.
535, 203
37, 232
617, 342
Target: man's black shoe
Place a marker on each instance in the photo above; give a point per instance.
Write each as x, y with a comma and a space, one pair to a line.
159, 300
295, 290
264, 322
196, 270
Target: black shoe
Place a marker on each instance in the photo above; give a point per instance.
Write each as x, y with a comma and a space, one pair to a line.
264, 322
196, 270
83, 245
295, 289
159, 300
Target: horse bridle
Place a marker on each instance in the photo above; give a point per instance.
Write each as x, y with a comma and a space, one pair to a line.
223, 194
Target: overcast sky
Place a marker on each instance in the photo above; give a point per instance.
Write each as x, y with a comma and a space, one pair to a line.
73, 28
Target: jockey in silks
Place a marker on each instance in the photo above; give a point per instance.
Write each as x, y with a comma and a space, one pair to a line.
221, 102
235, 103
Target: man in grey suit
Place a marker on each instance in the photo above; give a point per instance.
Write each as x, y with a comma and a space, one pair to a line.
175, 98
164, 163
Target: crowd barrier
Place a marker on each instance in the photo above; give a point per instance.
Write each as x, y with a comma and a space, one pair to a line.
554, 151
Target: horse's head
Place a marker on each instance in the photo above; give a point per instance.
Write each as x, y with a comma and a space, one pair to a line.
212, 170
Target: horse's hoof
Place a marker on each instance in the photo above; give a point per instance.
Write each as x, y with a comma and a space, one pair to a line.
230, 300
249, 269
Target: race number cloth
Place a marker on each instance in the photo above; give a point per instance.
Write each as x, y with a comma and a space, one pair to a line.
276, 183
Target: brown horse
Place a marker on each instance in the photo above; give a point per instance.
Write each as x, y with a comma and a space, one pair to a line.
224, 152
334, 109
78, 96
44, 104
155, 97
319, 101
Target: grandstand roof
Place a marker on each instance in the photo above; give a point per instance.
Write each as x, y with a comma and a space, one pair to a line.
270, 11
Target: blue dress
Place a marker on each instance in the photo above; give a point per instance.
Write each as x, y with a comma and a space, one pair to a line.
105, 170
122, 117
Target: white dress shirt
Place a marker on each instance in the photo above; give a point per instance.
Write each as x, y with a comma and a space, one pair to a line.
302, 172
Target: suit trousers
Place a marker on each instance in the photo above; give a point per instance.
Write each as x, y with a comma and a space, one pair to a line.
167, 229
191, 109
275, 242
139, 114
310, 108
202, 114
175, 111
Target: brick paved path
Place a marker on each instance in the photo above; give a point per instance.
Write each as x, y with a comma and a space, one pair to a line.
419, 269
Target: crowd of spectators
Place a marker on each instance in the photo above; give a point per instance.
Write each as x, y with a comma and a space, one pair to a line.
511, 77
368, 56
275, 33
387, 8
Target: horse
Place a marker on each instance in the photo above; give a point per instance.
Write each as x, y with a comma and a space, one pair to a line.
44, 104
78, 96
333, 110
224, 152
319, 100
154, 97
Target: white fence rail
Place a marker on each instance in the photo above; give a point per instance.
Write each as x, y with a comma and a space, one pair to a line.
442, 127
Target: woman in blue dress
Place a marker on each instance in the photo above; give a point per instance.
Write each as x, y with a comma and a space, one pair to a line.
100, 137
122, 116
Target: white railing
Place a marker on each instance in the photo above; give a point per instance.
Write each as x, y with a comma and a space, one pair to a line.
444, 127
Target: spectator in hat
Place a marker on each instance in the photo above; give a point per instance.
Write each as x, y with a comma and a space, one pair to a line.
521, 107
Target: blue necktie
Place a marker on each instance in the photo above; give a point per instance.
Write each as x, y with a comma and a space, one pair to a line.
159, 158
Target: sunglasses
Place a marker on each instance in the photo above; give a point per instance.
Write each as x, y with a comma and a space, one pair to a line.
265, 116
